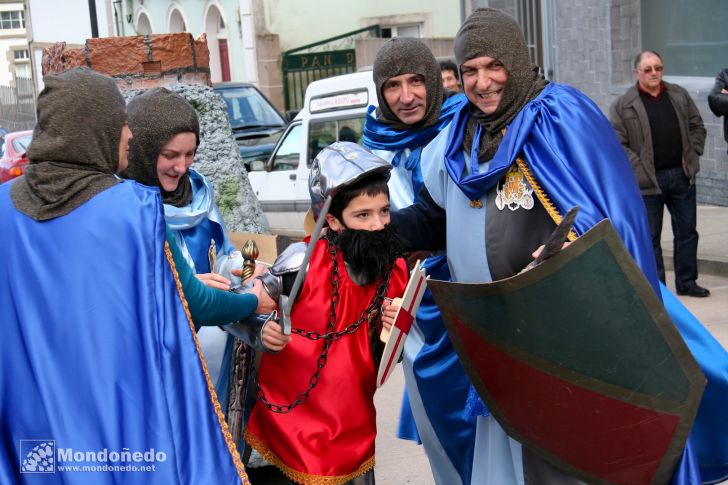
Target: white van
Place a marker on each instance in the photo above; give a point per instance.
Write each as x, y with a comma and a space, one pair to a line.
334, 110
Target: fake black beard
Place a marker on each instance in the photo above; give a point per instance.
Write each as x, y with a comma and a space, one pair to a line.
370, 255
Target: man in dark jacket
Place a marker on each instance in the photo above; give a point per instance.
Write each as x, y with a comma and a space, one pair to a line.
663, 134
718, 99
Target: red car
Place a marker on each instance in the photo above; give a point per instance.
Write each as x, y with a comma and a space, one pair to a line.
13, 158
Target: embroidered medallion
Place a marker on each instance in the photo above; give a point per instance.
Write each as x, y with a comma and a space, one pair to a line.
514, 192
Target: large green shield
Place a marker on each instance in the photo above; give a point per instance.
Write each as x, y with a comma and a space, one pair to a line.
578, 360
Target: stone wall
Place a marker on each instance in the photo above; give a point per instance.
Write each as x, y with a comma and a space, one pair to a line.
596, 44
181, 64
270, 76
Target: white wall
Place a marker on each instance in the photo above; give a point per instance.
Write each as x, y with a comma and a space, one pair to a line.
7, 67
300, 23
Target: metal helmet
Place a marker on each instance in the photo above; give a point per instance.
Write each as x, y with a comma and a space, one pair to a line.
341, 165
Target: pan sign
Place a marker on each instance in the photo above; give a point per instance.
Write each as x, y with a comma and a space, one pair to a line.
320, 60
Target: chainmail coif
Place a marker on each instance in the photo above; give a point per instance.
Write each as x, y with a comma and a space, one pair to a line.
75, 149
155, 117
492, 33
403, 55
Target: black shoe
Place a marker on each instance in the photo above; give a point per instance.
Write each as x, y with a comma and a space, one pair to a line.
695, 290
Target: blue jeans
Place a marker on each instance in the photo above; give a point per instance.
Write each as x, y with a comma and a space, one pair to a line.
678, 194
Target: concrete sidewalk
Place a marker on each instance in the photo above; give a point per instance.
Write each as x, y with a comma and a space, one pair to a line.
713, 243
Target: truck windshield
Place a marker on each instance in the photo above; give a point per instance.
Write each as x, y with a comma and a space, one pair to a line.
248, 109
323, 133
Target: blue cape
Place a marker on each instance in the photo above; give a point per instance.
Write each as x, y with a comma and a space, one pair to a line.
557, 133
379, 136
99, 360
196, 223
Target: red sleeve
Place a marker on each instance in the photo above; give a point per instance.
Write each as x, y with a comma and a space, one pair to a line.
398, 280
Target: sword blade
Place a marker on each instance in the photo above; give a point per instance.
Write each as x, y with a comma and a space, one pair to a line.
557, 238
286, 302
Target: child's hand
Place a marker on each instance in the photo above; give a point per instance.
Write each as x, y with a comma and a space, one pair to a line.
389, 311
273, 338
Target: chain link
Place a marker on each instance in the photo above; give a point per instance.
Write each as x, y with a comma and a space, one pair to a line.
330, 335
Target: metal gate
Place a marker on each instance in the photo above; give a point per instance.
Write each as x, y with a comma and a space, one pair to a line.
536, 20
326, 58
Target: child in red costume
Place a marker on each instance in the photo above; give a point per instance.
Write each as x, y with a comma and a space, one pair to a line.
315, 417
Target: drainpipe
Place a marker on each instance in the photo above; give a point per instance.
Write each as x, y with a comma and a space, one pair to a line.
94, 20
116, 16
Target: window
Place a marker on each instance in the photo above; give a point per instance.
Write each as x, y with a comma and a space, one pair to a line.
536, 20
177, 22
21, 144
401, 31
689, 36
323, 134
14, 19
288, 153
247, 108
21, 60
22, 70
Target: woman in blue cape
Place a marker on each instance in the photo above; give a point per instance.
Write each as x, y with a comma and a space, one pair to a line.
166, 135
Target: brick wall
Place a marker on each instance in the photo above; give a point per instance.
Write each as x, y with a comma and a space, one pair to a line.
137, 62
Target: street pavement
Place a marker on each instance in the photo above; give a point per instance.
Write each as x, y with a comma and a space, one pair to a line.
712, 244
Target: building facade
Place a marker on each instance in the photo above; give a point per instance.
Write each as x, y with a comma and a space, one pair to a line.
227, 25
14, 54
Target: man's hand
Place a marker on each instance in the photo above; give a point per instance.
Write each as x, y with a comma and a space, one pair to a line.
214, 280
535, 254
389, 312
273, 338
265, 303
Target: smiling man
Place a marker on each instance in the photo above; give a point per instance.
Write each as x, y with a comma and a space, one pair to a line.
663, 135
413, 109
515, 158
